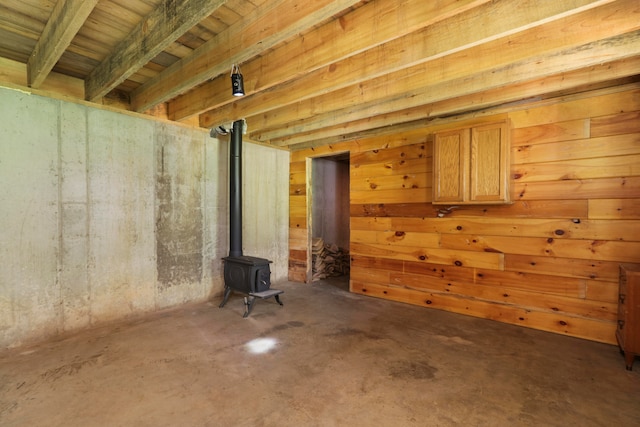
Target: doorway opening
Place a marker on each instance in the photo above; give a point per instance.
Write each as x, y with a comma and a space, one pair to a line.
329, 220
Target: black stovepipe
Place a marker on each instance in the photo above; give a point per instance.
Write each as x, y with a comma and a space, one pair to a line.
235, 190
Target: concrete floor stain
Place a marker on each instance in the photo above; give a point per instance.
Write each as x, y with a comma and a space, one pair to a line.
412, 370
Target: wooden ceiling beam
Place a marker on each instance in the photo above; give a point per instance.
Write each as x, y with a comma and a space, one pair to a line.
429, 43
66, 19
370, 25
599, 55
270, 24
430, 81
589, 55
612, 73
151, 36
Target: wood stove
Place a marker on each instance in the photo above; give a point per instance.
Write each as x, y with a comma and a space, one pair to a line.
250, 276
245, 274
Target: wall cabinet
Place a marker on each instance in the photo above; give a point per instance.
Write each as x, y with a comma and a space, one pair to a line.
628, 331
471, 165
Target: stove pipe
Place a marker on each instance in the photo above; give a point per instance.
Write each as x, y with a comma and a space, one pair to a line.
235, 190
246, 274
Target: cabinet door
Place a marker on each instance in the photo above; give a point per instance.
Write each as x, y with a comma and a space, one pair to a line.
450, 166
489, 164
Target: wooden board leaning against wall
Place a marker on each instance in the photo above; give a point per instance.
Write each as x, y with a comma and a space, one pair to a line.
548, 261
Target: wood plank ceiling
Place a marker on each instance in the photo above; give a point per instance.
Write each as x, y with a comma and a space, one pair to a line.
320, 71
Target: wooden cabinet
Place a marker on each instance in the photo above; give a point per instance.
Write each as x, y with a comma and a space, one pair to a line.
471, 165
628, 332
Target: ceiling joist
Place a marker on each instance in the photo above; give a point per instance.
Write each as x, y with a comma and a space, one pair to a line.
399, 57
509, 61
150, 37
66, 19
304, 135
356, 32
270, 24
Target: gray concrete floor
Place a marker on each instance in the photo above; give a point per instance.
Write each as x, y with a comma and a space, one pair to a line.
337, 360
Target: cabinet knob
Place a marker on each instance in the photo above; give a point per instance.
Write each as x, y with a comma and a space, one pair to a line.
621, 297
620, 324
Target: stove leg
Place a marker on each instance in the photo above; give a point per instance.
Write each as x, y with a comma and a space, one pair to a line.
628, 358
277, 297
248, 305
227, 292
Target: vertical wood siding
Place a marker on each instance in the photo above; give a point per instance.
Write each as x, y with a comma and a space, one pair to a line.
547, 261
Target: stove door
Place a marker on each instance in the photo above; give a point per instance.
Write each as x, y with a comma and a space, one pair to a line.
263, 278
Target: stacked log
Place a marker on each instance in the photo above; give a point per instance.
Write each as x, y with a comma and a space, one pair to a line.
328, 260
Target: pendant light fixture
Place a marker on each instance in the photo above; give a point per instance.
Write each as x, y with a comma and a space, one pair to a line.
237, 84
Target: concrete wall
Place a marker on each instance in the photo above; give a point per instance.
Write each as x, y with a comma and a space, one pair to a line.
265, 213
106, 215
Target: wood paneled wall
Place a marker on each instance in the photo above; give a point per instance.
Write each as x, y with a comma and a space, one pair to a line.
547, 261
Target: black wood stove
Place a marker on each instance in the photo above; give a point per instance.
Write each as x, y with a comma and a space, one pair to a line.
248, 275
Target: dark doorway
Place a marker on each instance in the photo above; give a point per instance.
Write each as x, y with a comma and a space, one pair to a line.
330, 219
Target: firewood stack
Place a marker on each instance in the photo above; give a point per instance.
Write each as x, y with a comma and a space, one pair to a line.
328, 260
